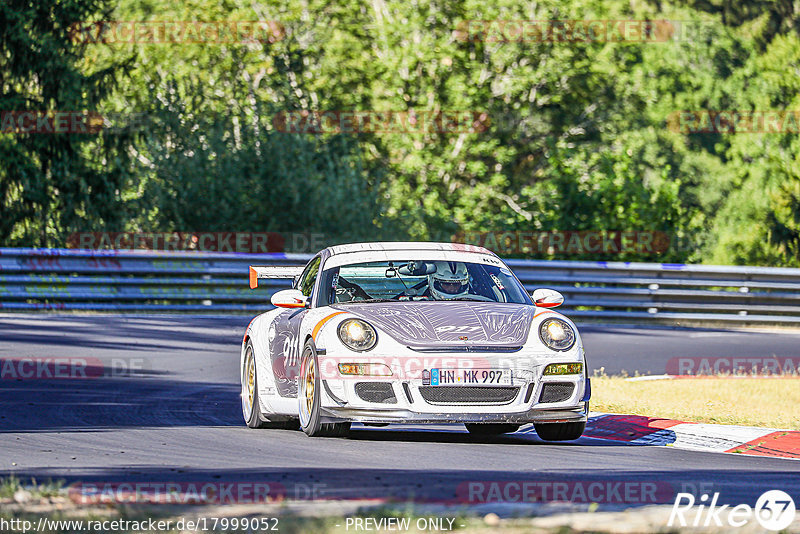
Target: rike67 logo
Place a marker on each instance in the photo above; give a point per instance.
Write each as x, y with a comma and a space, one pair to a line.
774, 510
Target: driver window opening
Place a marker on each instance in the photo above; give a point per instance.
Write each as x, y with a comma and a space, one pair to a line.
309, 278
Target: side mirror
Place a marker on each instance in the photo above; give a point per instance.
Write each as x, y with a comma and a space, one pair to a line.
289, 298
547, 298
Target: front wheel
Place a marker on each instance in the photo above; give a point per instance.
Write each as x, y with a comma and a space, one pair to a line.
491, 429
308, 397
559, 431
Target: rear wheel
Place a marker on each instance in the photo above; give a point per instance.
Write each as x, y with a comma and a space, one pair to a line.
308, 397
251, 407
559, 431
491, 429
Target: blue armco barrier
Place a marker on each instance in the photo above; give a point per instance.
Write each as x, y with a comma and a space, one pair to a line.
157, 281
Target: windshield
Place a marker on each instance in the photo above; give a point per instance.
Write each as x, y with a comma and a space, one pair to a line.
413, 280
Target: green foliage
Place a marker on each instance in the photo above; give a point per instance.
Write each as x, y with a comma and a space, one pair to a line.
11, 485
757, 222
578, 135
52, 183
202, 176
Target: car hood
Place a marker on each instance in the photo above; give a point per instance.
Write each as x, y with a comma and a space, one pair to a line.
440, 324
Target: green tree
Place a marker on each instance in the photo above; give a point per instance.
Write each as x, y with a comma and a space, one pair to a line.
51, 184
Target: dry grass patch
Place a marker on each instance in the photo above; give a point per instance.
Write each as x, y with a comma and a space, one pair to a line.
767, 402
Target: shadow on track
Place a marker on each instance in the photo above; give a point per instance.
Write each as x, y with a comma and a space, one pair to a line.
114, 399
492, 488
457, 434
117, 332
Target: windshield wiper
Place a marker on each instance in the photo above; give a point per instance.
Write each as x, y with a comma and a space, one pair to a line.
369, 300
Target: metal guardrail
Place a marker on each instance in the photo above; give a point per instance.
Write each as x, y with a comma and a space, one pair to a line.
148, 281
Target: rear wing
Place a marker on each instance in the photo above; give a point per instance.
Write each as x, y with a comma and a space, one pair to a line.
258, 272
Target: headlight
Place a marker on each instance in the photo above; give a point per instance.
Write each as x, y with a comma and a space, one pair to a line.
557, 334
357, 335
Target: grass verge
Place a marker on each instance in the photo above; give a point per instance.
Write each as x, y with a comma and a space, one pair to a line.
766, 402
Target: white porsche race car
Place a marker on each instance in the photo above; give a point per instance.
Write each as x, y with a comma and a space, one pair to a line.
381, 333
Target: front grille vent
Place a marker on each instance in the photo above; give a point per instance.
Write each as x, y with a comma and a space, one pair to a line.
556, 392
380, 392
468, 394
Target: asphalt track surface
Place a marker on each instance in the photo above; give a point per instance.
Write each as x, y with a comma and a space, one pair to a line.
168, 410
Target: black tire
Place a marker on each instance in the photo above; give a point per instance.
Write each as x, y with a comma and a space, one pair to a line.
491, 429
559, 431
308, 399
251, 407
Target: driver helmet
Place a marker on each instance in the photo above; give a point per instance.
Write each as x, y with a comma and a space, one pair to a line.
449, 281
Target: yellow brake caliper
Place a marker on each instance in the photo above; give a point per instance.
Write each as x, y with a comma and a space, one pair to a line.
310, 386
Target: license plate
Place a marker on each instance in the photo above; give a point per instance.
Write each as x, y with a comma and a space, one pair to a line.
469, 377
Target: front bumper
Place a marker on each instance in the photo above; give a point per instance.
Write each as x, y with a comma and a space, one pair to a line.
360, 415
340, 402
